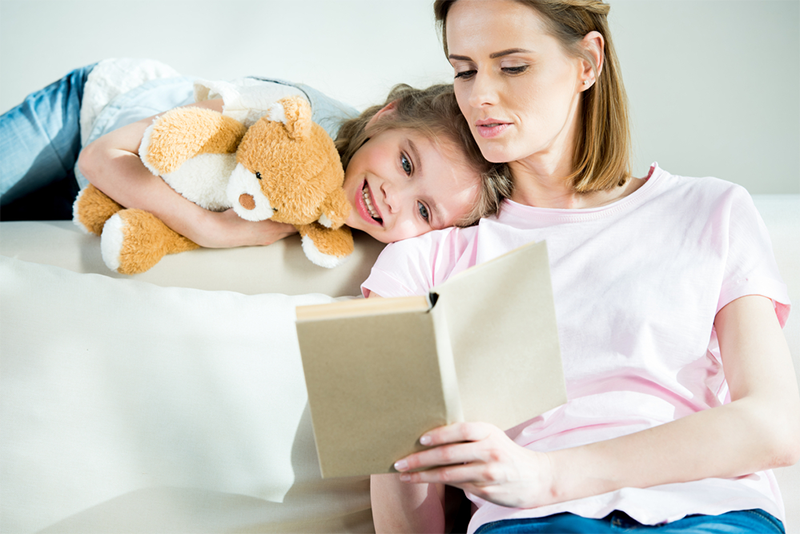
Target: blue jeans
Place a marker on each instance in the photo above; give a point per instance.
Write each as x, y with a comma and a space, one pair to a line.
40, 140
741, 522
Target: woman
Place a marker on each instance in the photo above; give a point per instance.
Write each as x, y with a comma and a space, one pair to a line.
410, 164
681, 389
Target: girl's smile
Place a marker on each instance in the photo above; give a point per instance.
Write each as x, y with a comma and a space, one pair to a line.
403, 184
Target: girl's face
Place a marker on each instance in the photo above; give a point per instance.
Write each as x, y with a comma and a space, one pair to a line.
517, 87
402, 184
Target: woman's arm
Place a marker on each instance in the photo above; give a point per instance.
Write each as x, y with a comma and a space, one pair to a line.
759, 429
112, 164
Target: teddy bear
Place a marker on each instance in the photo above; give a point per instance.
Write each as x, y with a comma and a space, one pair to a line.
284, 167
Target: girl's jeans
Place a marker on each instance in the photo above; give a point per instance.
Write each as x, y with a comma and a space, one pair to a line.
39, 145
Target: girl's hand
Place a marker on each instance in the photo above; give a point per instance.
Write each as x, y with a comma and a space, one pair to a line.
226, 229
481, 459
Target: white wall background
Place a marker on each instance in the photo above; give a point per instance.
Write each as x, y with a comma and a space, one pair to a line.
714, 85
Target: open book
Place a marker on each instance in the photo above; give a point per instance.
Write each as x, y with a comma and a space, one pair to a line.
482, 346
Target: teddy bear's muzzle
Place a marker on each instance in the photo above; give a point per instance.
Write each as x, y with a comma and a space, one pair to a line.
247, 201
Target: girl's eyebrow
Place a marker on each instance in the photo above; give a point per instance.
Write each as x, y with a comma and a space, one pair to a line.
415, 157
435, 208
436, 217
493, 55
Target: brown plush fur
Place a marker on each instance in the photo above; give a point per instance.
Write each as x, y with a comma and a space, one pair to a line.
294, 163
327, 241
93, 209
147, 240
183, 133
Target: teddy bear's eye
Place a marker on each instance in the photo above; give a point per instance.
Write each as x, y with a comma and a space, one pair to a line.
258, 175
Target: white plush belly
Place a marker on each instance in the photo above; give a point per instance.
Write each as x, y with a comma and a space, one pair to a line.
204, 180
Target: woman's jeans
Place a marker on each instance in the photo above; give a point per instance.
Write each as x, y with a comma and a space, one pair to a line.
39, 145
741, 522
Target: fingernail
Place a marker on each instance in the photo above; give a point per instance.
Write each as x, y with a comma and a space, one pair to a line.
405, 477
401, 465
425, 440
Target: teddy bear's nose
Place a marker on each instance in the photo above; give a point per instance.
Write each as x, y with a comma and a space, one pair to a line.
247, 201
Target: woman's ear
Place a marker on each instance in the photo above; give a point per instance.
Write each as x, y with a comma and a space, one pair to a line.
594, 49
386, 110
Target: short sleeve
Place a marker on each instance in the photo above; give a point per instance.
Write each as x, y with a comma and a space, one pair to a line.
750, 266
401, 270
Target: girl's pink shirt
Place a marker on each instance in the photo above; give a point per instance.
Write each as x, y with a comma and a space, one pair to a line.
637, 285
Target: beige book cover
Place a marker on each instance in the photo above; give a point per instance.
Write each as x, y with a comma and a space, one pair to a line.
482, 346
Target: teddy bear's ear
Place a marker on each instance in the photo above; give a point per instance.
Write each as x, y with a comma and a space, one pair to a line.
295, 114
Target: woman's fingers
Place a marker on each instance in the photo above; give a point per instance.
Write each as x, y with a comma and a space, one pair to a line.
455, 444
456, 433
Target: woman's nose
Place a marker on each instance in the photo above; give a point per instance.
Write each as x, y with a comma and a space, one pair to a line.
484, 90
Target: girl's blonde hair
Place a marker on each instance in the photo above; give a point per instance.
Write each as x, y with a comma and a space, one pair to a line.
602, 148
434, 112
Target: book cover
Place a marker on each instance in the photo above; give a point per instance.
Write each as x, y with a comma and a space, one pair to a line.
482, 346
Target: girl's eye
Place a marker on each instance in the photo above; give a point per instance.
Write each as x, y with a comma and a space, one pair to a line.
515, 70
406, 164
423, 211
465, 74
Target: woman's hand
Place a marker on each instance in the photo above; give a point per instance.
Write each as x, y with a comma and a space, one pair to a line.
226, 229
481, 459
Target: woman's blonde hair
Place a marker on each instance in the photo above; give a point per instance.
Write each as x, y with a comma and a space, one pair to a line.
433, 112
602, 148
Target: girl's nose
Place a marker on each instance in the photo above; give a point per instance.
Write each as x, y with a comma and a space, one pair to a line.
394, 196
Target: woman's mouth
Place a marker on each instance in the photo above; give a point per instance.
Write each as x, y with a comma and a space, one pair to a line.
367, 208
488, 128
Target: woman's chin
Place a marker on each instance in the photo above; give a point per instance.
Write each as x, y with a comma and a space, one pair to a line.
494, 153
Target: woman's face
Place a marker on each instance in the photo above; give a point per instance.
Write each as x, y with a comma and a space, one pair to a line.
402, 184
515, 84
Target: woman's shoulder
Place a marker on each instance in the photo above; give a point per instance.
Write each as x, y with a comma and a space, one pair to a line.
692, 193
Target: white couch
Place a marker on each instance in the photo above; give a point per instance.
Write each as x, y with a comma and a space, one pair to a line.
173, 401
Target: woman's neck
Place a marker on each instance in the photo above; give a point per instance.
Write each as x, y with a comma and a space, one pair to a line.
537, 184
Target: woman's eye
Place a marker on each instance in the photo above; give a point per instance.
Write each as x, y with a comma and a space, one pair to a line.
406, 164
423, 211
465, 74
515, 70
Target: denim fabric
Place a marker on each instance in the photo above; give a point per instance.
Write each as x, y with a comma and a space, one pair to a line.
40, 138
150, 98
740, 522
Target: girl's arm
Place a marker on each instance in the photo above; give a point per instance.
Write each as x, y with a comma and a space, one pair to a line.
759, 429
112, 164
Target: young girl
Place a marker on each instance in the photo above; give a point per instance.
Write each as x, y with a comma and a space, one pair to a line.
410, 164
681, 390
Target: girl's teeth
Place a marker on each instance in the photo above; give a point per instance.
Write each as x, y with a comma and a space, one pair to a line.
368, 202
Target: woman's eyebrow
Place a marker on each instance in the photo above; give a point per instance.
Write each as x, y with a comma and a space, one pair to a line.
493, 55
508, 52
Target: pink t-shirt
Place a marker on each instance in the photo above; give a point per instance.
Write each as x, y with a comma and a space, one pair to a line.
637, 285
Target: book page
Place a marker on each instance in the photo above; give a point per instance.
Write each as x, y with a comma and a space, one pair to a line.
376, 383
502, 325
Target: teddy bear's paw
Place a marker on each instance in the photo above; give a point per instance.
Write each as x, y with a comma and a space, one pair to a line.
183, 133
91, 209
133, 241
325, 247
